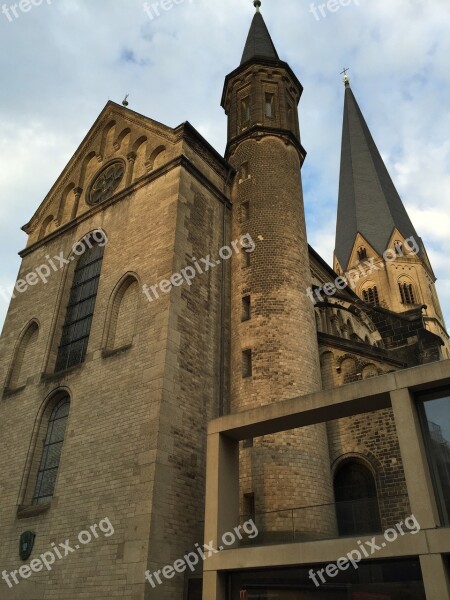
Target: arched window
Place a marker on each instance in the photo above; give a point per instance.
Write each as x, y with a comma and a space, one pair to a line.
362, 253
370, 295
407, 293
80, 310
356, 500
46, 226
123, 313
26, 357
51, 454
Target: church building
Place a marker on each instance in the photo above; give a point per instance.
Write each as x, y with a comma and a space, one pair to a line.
194, 404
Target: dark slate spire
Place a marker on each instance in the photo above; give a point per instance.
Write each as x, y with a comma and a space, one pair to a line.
368, 201
259, 43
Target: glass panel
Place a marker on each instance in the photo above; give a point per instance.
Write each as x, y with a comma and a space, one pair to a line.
58, 430
62, 410
53, 455
48, 482
437, 433
76, 353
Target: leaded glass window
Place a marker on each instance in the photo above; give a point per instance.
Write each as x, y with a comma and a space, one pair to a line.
51, 455
80, 311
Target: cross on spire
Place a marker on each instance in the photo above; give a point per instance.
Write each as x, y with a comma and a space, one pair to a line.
346, 78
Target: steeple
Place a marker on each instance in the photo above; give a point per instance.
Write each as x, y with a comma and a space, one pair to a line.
368, 200
262, 94
259, 44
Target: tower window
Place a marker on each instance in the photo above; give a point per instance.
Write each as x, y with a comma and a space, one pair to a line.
370, 296
51, 456
245, 211
246, 258
245, 110
398, 247
270, 105
362, 253
407, 293
80, 311
247, 367
244, 172
246, 308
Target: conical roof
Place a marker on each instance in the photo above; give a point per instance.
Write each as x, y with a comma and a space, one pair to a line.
368, 200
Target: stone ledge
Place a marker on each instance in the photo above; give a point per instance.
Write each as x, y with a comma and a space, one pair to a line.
27, 512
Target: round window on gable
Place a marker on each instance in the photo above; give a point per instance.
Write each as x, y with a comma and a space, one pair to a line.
106, 182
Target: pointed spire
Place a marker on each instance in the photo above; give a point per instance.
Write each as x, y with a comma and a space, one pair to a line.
259, 43
368, 200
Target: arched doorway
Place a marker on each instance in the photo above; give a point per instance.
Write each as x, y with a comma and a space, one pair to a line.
355, 492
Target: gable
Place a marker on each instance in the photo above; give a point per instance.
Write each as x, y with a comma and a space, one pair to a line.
121, 146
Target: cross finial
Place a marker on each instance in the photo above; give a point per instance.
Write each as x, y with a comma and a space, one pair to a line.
346, 78
257, 5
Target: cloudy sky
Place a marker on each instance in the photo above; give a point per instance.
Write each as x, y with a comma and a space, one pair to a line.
62, 60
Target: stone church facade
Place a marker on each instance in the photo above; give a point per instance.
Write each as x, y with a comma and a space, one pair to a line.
108, 388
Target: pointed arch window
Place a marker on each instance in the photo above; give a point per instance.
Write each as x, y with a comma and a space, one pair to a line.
407, 293
51, 455
356, 500
80, 310
370, 295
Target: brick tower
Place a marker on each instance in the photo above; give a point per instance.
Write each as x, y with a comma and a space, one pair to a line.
274, 351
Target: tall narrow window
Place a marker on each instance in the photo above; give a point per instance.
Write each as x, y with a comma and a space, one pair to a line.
244, 172
246, 257
247, 368
246, 308
51, 456
245, 110
370, 296
78, 321
356, 500
245, 211
270, 105
407, 293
